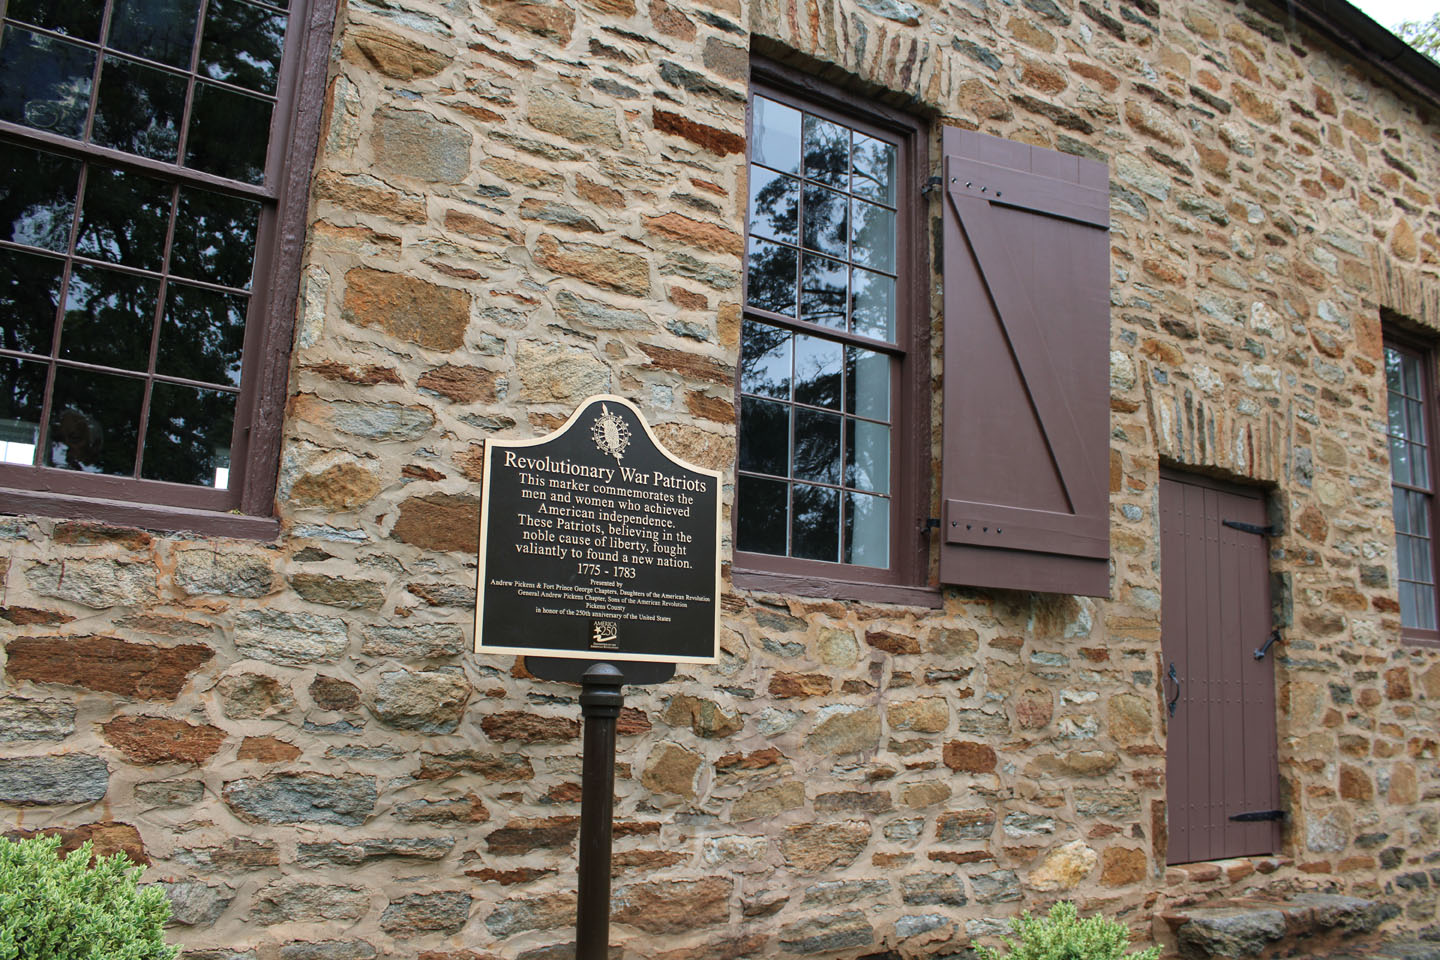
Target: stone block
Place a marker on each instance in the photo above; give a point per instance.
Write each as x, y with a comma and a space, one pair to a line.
73, 778
344, 800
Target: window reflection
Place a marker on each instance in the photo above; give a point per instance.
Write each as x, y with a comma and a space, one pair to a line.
814, 435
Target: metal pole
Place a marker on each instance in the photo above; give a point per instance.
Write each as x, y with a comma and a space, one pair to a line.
600, 703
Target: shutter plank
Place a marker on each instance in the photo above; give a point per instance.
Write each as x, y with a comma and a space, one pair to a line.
1026, 372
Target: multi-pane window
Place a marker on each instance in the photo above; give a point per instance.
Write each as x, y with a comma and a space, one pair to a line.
1412, 483
821, 352
140, 152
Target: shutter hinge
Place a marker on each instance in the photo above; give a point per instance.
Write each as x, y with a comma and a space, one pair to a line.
1270, 531
932, 524
934, 183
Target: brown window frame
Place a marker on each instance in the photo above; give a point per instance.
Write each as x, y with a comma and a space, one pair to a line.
905, 579
1424, 350
247, 507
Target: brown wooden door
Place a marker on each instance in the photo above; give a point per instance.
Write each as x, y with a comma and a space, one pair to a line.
1215, 614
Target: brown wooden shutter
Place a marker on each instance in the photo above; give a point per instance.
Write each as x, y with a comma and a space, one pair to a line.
1025, 476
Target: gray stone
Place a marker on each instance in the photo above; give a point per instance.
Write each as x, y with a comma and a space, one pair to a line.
325, 950
195, 904
824, 934
913, 925
1229, 932
224, 573
844, 891
302, 902
1353, 914
592, 313
424, 701
998, 886
22, 719
841, 729
289, 638
170, 793
933, 889
538, 913
444, 911
684, 265
556, 113
422, 641
339, 591
356, 854
415, 144
980, 723
897, 10
253, 696
223, 953
379, 421
1106, 804
66, 778
302, 798
1027, 825
94, 583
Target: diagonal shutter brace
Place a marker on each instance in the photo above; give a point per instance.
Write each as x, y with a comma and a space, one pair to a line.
1243, 527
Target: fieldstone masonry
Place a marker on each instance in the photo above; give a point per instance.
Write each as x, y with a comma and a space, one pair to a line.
519, 203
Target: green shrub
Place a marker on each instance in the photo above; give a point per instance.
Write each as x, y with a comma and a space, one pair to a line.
62, 909
1064, 936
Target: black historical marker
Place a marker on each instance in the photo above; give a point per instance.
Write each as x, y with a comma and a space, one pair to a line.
597, 544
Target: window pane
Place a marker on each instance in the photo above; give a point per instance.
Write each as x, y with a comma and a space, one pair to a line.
872, 305
1419, 525
765, 436
22, 391
37, 197
774, 205
868, 373
765, 360
867, 455
1392, 368
761, 510
162, 30
1424, 607
1400, 511
228, 134
873, 176
109, 317
776, 141
93, 422
817, 446
824, 220
187, 437
242, 44
44, 82
1405, 556
1409, 608
1410, 375
123, 218
867, 530
770, 277
815, 527
817, 371
1415, 422
139, 110
202, 335
1419, 465
1399, 460
827, 151
822, 291
1420, 565
873, 243
78, 18
29, 299
218, 242
1395, 408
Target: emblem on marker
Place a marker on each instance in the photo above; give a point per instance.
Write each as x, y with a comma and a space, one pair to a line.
611, 434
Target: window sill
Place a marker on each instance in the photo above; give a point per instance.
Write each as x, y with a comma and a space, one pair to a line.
759, 581
144, 515
1427, 639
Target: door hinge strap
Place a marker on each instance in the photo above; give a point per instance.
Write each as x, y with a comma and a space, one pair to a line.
1255, 528
1255, 816
1274, 635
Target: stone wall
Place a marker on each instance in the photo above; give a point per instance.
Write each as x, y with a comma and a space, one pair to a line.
520, 203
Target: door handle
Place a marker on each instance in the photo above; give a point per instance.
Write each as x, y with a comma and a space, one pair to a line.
1174, 678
